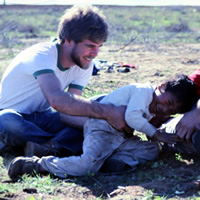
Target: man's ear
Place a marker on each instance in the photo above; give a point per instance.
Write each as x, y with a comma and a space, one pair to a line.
68, 42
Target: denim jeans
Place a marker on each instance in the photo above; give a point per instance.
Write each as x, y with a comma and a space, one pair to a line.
17, 128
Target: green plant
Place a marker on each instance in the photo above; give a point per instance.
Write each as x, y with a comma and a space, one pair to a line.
178, 157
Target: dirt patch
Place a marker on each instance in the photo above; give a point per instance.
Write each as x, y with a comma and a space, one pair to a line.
152, 65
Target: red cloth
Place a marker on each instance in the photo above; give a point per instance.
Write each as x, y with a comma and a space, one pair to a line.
195, 77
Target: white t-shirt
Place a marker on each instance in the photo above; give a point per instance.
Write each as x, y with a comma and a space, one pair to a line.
19, 89
137, 97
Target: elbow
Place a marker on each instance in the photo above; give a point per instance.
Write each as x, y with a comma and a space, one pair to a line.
55, 104
61, 104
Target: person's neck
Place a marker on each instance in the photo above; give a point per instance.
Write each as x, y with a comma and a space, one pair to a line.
65, 58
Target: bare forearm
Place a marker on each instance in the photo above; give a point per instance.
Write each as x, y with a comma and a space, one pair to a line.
69, 103
72, 104
76, 105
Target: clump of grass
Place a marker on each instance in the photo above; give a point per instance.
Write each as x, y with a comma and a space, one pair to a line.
177, 28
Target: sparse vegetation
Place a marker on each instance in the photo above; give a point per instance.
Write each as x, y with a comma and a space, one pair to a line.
164, 41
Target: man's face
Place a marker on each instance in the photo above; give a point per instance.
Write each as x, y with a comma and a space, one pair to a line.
164, 104
83, 52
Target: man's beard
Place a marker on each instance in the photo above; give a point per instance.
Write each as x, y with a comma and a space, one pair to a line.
76, 59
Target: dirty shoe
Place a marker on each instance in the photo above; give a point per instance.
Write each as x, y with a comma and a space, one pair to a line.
45, 149
23, 165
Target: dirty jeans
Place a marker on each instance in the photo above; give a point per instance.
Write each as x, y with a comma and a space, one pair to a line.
101, 141
17, 128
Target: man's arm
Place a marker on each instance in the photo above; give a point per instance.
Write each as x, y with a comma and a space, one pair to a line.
74, 121
72, 104
189, 123
75, 91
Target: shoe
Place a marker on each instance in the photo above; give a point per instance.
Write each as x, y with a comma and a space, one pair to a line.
124, 69
39, 150
23, 165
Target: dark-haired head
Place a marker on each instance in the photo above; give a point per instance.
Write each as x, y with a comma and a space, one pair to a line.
184, 91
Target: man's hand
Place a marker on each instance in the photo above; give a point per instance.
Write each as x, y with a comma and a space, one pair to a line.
117, 119
188, 124
165, 137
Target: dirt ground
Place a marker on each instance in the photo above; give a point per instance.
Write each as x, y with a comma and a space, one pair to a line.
152, 65
172, 176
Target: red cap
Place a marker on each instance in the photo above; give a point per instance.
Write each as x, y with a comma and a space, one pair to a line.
195, 77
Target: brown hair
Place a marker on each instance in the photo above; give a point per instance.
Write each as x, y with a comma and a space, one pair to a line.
83, 22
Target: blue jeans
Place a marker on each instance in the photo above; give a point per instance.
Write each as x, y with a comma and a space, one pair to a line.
40, 127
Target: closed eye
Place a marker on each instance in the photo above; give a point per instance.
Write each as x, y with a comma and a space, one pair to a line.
93, 46
90, 46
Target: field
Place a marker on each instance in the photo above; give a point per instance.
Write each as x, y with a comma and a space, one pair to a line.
160, 42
